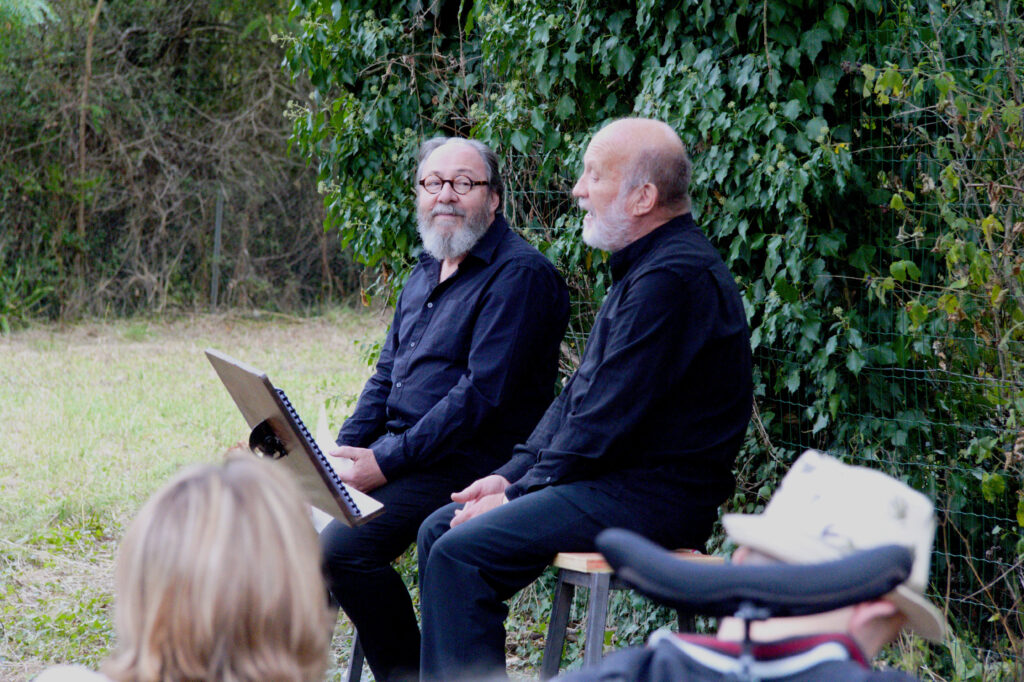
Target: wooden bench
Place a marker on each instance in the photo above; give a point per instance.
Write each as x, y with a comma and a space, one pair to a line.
590, 570
575, 569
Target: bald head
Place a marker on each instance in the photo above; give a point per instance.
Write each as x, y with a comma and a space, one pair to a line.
651, 153
635, 179
641, 132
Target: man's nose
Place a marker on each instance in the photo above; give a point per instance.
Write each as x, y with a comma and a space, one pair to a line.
447, 194
578, 189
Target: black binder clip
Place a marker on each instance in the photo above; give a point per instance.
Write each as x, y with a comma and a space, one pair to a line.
264, 441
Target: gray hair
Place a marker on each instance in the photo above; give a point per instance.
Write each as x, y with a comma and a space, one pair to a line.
490, 160
667, 169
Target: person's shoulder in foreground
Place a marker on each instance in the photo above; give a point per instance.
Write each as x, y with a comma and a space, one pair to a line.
680, 658
823, 510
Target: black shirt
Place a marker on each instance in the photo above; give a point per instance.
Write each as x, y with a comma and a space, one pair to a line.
469, 364
663, 393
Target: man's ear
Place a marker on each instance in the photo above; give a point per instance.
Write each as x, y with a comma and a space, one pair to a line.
495, 202
645, 199
873, 624
871, 610
740, 555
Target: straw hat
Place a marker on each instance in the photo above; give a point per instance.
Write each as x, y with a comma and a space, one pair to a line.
825, 509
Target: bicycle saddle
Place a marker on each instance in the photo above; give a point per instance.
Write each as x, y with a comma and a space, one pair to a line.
773, 591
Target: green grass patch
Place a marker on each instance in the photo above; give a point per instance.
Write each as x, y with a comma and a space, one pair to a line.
96, 417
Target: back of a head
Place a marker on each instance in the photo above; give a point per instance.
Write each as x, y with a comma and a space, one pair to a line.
218, 578
825, 510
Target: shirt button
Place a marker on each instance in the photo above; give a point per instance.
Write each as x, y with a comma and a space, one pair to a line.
412, 344
547, 480
430, 305
398, 384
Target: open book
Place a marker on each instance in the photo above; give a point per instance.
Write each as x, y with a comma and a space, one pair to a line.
279, 433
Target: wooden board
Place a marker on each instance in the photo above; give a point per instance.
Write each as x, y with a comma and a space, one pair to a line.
593, 562
258, 401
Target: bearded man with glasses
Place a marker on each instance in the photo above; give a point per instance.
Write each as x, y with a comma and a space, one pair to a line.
465, 373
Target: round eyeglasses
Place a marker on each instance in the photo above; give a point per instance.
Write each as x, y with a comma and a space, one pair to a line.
460, 184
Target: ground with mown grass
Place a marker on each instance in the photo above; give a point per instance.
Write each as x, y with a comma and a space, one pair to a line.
97, 416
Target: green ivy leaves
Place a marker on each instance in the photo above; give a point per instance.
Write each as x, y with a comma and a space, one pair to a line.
793, 180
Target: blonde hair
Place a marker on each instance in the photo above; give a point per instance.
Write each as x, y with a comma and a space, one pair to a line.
218, 578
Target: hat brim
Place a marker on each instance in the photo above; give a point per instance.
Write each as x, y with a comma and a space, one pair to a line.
757, 533
922, 617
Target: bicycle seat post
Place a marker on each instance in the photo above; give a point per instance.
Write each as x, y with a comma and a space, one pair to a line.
748, 612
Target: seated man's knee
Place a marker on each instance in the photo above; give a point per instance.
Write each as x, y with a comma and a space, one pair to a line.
454, 550
435, 525
344, 551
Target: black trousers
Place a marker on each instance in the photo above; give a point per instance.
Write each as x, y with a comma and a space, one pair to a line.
468, 572
357, 566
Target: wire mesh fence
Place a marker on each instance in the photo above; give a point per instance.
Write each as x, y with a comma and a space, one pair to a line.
939, 400
953, 407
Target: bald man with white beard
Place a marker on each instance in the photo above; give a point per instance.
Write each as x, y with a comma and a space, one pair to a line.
642, 437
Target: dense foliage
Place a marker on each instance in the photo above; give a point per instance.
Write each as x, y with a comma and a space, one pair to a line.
116, 138
954, 283
857, 163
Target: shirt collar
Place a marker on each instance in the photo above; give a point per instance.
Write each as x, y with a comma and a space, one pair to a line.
623, 259
486, 246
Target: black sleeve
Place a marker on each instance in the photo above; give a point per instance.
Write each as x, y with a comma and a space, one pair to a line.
661, 324
506, 337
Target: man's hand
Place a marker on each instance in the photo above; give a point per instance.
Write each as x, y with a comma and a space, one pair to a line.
481, 496
364, 475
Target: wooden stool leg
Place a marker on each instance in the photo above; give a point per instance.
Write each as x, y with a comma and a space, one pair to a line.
597, 615
555, 640
355, 659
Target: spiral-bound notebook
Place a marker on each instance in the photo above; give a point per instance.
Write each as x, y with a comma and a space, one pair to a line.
279, 433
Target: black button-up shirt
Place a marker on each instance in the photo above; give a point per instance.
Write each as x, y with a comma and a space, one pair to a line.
469, 363
663, 393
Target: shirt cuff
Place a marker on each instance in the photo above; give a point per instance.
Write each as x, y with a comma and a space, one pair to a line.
529, 481
514, 469
389, 451
513, 491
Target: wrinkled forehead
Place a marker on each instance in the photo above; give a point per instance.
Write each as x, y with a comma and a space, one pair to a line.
454, 158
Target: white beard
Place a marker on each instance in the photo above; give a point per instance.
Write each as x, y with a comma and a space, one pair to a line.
610, 233
454, 243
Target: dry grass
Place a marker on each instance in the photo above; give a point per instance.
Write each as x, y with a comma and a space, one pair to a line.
96, 416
